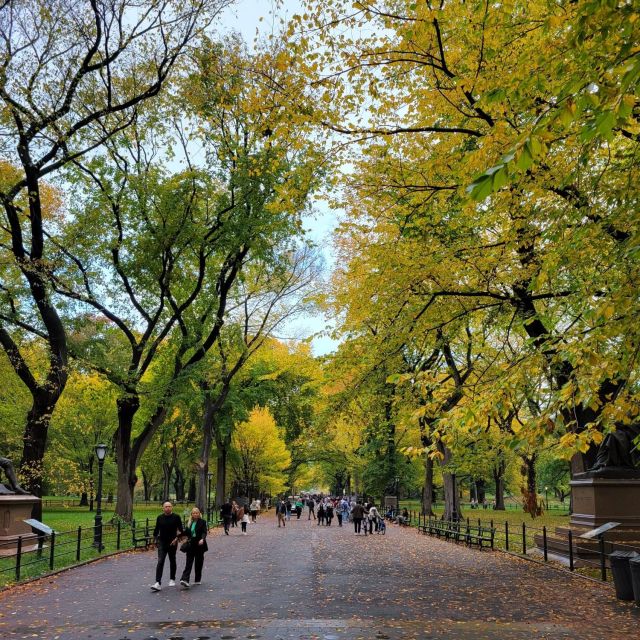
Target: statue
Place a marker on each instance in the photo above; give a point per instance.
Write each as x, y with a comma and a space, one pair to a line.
14, 485
618, 455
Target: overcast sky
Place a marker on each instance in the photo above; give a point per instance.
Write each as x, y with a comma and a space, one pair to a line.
244, 17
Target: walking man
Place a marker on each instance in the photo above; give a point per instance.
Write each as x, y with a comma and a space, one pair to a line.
311, 504
225, 511
166, 533
357, 513
280, 512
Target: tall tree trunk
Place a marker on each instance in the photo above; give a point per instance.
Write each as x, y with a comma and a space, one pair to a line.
35, 442
146, 483
127, 407
427, 442
498, 477
166, 480
223, 441
179, 482
450, 485
530, 491
191, 493
427, 493
202, 485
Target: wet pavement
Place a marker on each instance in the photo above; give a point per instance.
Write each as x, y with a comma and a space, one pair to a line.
323, 583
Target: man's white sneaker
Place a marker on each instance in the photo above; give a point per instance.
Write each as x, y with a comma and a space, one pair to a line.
184, 583
156, 587
198, 582
172, 583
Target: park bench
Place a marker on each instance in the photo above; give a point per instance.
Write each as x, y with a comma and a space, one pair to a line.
140, 536
480, 536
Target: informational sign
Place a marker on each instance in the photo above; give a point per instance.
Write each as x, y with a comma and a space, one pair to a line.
39, 526
594, 533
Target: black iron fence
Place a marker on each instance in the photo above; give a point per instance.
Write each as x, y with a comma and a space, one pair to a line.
33, 555
562, 545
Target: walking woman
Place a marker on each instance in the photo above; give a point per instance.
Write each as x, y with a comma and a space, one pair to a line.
196, 531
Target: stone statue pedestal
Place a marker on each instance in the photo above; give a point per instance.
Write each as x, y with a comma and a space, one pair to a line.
14, 509
596, 501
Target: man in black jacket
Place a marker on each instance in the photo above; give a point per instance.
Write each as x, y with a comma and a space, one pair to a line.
166, 533
225, 511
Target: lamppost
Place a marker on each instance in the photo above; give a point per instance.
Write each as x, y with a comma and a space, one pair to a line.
546, 497
397, 485
209, 476
101, 452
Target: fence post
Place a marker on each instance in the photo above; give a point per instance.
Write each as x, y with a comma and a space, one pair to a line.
78, 544
544, 541
146, 528
570, 550
52, 550
18, 558
603, 566
524, 539
506, 534
118, 537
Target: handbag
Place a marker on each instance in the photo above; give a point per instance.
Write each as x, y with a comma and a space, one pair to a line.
185, 546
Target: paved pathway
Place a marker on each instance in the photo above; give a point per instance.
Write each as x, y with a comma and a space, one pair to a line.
306, 582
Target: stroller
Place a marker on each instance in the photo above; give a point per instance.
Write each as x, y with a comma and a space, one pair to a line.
382, 527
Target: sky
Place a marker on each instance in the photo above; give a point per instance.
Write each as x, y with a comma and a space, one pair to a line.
245, 17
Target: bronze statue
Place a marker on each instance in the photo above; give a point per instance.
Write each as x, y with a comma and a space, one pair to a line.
13, 484
618, 455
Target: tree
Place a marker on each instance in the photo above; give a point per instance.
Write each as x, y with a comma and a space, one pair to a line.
71, 77
547, 258
260, 456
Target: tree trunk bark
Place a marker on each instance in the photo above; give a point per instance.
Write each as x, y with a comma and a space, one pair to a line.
427, 493
450, 485
202, 485
127, 408
178, 483
35, 442
146, 483
166, 480
221, 475
530, 491
498, 477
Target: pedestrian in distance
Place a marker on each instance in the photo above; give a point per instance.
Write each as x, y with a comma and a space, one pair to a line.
195, 548
328, 513
234, 514
298, 508
166, 533
374, 516
253, 508
311, 504
288, 507
225, 511
320, 513
244, 522
357, 513
281, 510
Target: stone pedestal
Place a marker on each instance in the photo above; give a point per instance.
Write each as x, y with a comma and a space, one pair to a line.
13, 510
597, 501
600, 500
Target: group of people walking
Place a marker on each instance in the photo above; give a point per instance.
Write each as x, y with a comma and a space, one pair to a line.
232, 513
324, 509
168, 534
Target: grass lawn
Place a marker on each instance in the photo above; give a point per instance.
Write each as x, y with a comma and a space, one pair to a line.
74, 539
